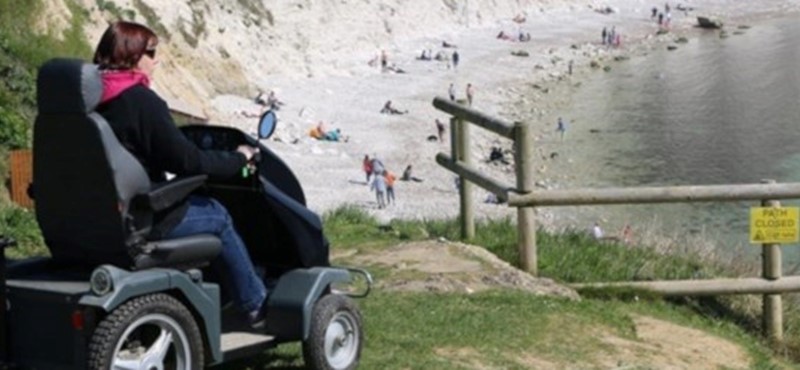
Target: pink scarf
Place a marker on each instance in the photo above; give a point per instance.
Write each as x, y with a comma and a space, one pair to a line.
116, 82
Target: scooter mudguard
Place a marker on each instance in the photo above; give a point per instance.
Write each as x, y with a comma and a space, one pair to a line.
203, 298
291, 301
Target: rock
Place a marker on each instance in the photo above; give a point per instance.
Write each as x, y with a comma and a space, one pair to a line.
681, 40
723, 35
620, 58
594, 64
607, 68
738, 32
662, 31
575, 46
708, 22
743, 27
520, 53
672, 47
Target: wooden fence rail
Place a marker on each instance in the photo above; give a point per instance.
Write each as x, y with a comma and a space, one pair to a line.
704, 287
525, 198
666, 194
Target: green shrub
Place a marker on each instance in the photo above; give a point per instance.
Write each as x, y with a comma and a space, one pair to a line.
20, 224
15, 130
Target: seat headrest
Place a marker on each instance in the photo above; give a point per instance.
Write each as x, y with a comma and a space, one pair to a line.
68, 86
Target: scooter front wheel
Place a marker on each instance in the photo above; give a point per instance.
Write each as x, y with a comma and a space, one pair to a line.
336, 336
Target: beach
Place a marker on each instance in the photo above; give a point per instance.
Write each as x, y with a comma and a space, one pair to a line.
532, 89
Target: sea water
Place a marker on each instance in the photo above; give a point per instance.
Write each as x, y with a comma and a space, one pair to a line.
714, 111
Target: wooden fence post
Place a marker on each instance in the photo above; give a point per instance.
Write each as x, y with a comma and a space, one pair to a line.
772, 306
459, 143
21, 163
526, 218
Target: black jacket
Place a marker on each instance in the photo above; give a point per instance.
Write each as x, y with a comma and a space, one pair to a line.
142, 123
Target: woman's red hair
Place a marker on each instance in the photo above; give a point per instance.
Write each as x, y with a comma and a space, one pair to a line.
123, 44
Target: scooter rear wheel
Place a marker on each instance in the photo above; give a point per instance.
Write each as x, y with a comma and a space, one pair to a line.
155, 331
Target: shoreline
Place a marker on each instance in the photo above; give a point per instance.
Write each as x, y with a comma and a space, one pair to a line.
331, 172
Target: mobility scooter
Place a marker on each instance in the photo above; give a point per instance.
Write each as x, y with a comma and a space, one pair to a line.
110, 297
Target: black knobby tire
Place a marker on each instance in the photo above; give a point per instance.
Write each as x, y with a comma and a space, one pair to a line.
143, 318
336, 336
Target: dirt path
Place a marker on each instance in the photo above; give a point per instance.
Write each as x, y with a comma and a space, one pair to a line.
443, 266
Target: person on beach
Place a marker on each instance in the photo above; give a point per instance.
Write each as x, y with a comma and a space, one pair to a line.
273, 102
496, 155
335, 135
379, 187
470, 94
455, 59
377, 165
389, 177
440, 130
627, 234
316, 133
654, 13
612, 35
660, 19
366, 166
452, 92
409, 176
389, 109
561, 128
259, 99
597, 232
384, 59
141, 121
569, 67
425, 55
604, 35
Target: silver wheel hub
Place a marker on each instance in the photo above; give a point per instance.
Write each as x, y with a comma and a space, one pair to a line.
341, 340
150, 342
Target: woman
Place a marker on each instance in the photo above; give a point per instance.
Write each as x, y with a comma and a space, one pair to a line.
126, 55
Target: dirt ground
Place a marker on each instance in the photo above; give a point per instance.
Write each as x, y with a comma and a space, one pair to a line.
443, 266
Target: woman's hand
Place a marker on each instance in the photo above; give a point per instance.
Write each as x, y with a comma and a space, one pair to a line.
248, 151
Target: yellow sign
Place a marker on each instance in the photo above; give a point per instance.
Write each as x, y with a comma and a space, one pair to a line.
774, 225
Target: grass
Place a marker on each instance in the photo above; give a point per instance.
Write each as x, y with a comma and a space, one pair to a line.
573, 256
502, 329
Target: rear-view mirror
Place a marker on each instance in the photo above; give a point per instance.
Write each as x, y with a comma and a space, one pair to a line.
266, 125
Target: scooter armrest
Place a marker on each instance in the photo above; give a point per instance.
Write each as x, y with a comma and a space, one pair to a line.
164, 195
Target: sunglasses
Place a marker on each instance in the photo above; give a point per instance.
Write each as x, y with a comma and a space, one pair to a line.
150, 53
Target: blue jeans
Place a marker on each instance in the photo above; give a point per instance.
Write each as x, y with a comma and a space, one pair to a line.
207, 216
